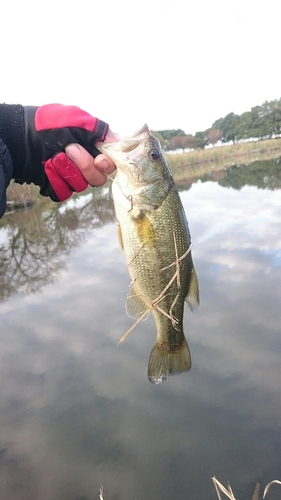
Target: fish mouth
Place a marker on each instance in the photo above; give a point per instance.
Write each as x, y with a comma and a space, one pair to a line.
130, 142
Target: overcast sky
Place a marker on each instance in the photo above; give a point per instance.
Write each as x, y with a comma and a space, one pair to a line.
169, 63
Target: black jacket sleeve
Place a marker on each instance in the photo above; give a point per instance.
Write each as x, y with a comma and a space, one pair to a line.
6, 172
21, 146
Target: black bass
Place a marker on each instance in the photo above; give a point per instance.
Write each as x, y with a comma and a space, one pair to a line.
154, 236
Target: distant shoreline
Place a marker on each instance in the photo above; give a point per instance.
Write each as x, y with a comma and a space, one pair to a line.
185, 165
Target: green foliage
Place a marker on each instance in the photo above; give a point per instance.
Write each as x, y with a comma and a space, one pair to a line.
227, 126
261, 122
201, 140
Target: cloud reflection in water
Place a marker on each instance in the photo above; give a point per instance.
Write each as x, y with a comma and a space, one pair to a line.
77, 411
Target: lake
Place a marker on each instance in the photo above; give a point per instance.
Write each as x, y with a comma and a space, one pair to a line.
77, 411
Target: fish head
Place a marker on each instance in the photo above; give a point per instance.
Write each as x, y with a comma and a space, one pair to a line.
145, 157
143, 172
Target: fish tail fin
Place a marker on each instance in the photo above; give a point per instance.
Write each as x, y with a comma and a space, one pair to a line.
164, 362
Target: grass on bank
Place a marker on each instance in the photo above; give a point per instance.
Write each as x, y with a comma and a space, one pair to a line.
199, 162
222, 153
21, 192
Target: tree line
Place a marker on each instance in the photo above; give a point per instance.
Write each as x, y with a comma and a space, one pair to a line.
262, 122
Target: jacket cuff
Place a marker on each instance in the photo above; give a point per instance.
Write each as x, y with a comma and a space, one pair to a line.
101, 129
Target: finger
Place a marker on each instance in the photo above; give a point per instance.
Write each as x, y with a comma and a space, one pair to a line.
104, 164
93, 170
64, 176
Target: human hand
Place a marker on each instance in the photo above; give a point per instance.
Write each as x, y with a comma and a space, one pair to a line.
60, 149
75, 169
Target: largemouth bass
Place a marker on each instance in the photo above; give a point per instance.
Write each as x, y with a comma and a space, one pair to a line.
154, 236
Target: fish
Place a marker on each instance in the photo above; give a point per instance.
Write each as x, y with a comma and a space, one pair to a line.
154, 235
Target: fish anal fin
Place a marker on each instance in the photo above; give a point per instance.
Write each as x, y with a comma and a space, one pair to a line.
165, 361
192, 297
135, 305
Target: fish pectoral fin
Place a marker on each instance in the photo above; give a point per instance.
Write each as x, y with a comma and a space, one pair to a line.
119, 236
144, 229
164, 362
192, 297
135, 305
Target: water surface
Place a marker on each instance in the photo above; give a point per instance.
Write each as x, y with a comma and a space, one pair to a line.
76, 411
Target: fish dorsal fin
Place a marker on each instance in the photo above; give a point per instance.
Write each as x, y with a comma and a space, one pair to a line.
135, 305
192, 297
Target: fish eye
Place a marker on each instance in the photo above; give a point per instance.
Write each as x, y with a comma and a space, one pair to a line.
154, 154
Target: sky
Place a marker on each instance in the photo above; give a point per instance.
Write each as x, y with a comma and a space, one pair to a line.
168, 63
